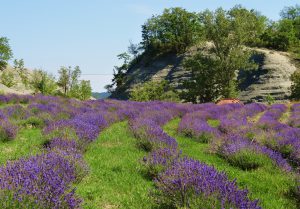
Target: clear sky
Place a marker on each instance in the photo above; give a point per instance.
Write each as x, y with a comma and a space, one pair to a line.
90, 33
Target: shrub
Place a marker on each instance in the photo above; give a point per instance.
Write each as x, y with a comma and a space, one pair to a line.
247, 159
160, 159
33, 121
8, 79
16, 112
43, 181
8, 131
153, 90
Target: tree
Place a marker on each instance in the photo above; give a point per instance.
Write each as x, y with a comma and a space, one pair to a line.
85, 90
284, 34
75, 75
292, 12
8, 78
42, 82
5, 52
153, 90
227, 32
204, 85
119, 72
64, 79
173, 31
81, 90
134, 49
295, 87
22, 71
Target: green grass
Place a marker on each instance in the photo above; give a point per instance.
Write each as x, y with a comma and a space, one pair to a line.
116, 175
213, 123
268, 183
28, 142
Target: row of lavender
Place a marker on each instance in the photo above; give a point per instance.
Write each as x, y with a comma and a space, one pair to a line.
237, 136
181, 181
45, 180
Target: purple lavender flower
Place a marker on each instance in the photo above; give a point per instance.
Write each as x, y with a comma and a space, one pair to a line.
189, 183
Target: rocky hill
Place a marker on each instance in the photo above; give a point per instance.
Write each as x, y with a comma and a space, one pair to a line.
270, 78
18, 87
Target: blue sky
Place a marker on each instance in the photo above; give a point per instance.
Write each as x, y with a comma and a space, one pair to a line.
52, 33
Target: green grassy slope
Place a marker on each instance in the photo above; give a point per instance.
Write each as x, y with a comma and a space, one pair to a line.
269, 184
28, 142
115, 179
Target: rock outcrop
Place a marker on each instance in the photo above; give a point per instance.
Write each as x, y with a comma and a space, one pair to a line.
271, 77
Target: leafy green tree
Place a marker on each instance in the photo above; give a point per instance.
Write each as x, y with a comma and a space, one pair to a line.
42, 82
64, 79
292, 12
227, 32
153, 90
295, 87
204, 85
173, 31
82, 90
8, 78
280, 35
22, 71
119, 72
75, 75
284, 34
134, 49
5, 52
85, 90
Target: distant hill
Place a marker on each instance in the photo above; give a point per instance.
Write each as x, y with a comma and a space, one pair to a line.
100, 95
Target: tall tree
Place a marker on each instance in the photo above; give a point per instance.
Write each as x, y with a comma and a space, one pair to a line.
43, 83
175, 30
213, 72
22, 71
5, 52
292, 12
64, 78
75, 75
119, 72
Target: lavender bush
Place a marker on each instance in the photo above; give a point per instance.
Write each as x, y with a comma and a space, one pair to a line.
191, 184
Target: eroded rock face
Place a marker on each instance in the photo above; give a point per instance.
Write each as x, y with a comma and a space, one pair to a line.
271, 78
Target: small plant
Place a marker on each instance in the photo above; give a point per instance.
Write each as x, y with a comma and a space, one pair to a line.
159, 160
247, 159
269, 99
33, 121
8, 131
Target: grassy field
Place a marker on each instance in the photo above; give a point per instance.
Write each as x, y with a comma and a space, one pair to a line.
116, 177
269, 184
28, 142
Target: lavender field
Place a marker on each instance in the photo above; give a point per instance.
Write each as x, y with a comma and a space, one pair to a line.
64, 153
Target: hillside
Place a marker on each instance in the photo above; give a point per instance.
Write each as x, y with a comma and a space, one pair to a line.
270, 78
19, 87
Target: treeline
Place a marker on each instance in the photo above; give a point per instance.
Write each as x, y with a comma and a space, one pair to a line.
228, 35
177, 29
40, 81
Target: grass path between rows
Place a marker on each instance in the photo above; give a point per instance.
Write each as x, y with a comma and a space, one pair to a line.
115, 179
27, 143
269, 184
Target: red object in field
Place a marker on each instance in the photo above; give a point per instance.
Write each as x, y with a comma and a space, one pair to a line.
229, 101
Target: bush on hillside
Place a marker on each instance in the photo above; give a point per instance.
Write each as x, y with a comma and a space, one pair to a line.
153, 90
8, 79
295, 87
